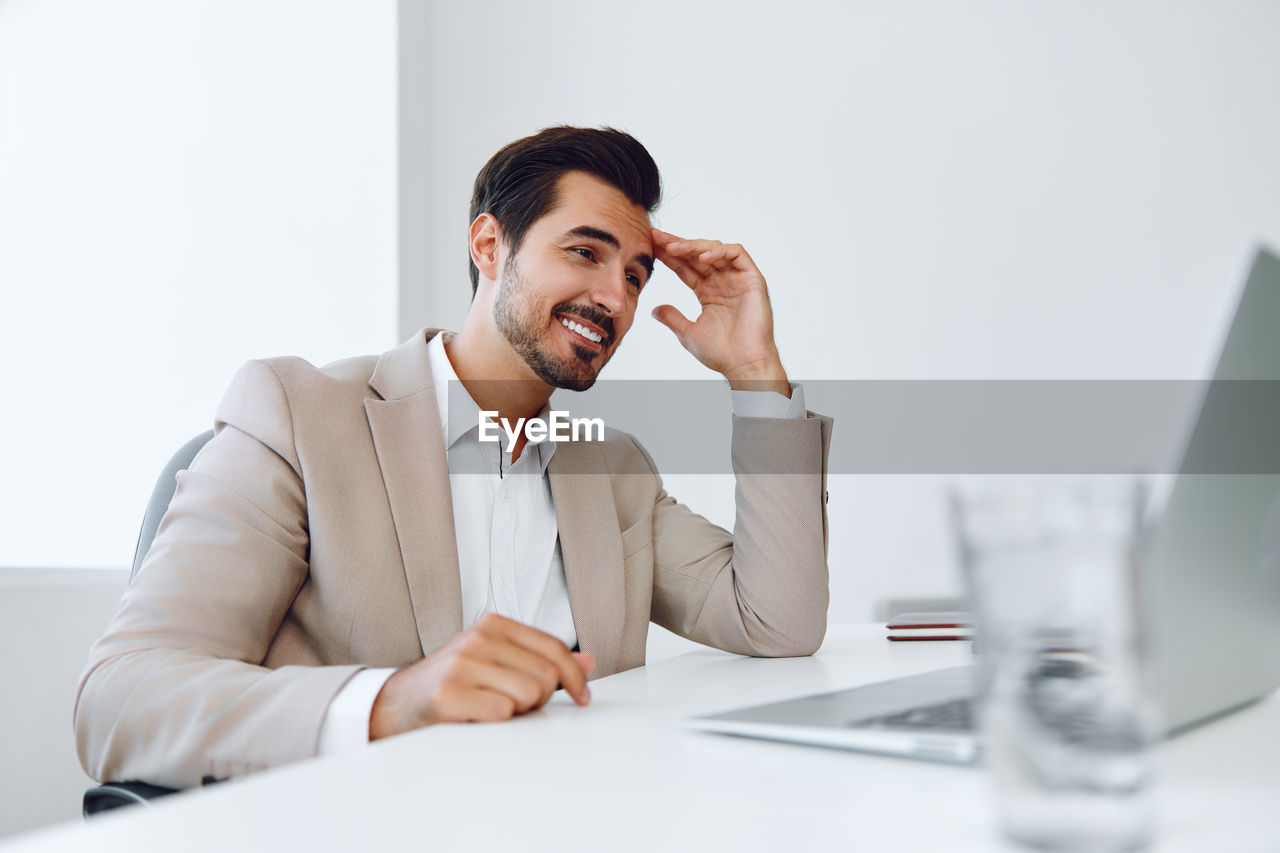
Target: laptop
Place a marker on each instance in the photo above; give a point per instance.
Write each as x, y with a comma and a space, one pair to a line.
1215, 602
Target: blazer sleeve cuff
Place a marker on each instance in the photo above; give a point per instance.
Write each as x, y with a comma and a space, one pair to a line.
781, 445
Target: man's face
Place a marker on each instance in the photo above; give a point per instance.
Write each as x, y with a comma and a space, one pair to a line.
565, 300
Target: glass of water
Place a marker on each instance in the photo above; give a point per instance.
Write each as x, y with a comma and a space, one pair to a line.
1064, 680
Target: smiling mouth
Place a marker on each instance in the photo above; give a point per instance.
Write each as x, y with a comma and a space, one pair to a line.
583, 333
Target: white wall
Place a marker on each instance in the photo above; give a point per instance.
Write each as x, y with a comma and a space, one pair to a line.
183, 186
933, 189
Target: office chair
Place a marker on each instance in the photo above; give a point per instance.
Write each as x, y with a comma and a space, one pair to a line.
113, 795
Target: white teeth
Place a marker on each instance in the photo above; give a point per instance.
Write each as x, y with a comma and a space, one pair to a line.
581, 330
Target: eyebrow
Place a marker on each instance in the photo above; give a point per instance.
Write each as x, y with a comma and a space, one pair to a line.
589, 232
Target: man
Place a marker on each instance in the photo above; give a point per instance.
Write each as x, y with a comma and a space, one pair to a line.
333, 569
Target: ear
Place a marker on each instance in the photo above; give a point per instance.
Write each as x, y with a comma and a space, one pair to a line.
486, 237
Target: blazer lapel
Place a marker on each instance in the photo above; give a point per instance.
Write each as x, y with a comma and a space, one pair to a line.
410, 449
592, 548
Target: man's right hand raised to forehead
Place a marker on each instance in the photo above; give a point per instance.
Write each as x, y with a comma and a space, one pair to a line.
733, 335
492, 671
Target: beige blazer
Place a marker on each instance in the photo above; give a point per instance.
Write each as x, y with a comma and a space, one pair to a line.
313, 536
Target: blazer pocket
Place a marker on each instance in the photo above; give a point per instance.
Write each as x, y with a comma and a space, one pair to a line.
637, 537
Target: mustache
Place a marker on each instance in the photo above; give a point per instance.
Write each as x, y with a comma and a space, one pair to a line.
591, 314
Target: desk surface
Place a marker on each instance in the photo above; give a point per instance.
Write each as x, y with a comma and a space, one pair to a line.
623, 774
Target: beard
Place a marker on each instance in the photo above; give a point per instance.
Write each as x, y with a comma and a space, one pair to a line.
524, 323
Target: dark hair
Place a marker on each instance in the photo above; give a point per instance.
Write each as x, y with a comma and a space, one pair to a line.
518, 184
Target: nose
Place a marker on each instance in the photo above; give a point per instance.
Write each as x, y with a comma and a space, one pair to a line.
609, 291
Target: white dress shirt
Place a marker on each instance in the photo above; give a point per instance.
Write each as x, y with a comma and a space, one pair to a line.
509, 559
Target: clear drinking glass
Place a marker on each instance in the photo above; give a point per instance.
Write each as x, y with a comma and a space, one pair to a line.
1064, 679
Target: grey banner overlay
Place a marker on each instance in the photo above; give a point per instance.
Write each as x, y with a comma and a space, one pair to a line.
962, 427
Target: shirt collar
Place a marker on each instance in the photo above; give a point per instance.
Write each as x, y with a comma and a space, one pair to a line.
463, 416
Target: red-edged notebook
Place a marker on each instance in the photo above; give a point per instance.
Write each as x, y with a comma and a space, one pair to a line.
948, 625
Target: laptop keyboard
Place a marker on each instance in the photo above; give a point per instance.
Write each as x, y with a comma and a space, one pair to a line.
956, 715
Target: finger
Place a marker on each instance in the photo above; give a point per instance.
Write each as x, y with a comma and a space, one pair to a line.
458, 702
553, 650
716, 261
585, 660
714, 255
670, 316
480, 705
691, 252
679, 246
683, 270
662, 238
523, 689
510, 655
729, 256
689, 260
691, 247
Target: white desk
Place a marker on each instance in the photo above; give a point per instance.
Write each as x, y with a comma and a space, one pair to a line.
622, 774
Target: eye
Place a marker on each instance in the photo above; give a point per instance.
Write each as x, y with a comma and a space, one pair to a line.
584, 252
634, 281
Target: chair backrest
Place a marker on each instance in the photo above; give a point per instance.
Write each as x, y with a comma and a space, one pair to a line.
162, 494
